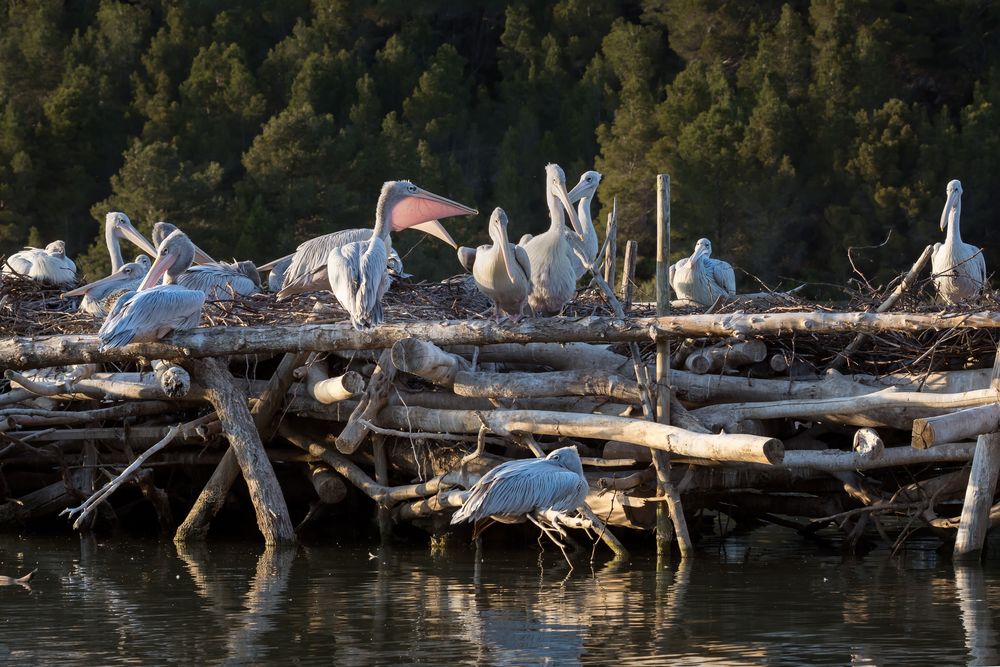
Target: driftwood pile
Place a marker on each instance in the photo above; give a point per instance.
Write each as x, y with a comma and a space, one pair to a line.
292, 409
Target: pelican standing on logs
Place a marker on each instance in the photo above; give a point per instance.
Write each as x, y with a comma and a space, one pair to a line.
152, 313
959, 268
46, 265
218, 280
502, 271
526, 488
307, 271
358, 271
553, 278
700, 278
583, 192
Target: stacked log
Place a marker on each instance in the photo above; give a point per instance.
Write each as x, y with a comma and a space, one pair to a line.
392, 414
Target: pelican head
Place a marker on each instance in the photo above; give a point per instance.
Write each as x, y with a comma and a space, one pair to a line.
394, 264
56, 248
173, 257
144, 262
126, 274
118, 226
703, 248
467, 257
406, 205
586, 187
954, 202
555, 183
162, 230
248, 269
568, 458
498, 232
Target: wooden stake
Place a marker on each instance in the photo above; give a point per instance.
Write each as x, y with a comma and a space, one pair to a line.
610, 244
373, 400
383, 516
628, 274
664, 487
975, 521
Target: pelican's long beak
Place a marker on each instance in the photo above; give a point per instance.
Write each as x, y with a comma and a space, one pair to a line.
202, 257
82, 291
422, 207
498, 223
953, 198
273, 263
435, 228
160, 266
133, 235
699, 252
560, 189
578, 191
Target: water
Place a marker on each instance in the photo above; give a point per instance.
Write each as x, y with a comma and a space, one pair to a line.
767, 599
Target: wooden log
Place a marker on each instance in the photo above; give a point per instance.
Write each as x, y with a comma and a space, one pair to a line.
715, 358
32, 417
889, 302
374, 399
834, 459
886, 407
43, 502
610, 244
173, 379
382, 516
867, 443
238, 425
213, 495
953, 426
649, 434
329, 390
539, 385
329, 486
19, 352
628, 274
779, 362
425, 359
975, 521
559, 356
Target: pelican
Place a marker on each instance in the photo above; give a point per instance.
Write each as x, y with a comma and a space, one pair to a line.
277, 269
307, 272
700, 278
502, 271
152, 313
47, 265
959, 268
357, 271
583, 193
100, 296
553, 279
514, 490
215, 279
118, 226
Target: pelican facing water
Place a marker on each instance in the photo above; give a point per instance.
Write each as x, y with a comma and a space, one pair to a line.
959, 268
47, 265
700, 278
502, 271
357, 271
553, 278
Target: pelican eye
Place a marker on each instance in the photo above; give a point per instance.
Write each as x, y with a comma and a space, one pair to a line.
412, 188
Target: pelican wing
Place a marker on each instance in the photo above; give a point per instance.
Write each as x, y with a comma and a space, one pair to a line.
20, 262
522, 260
520, 487
314, 254
343, 270
151, 315
723, 275
216, 279
374, 283
977, 267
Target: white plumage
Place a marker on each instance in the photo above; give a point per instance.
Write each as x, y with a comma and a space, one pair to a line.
583, 193
502, 271
959, 268
700, 278
47, 265
553, 278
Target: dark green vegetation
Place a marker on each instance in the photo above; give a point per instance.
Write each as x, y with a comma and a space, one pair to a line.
790, 130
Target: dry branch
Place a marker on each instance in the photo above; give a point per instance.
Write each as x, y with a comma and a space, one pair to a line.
958, 425
542, 385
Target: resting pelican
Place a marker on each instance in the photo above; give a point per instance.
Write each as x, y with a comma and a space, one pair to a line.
502, 271
277, 269
553, 279
307, 272
215, 279
357, 270
151, 313
48, 265
700, 278
118, 226
514, 490
100, 296
959, 268
583, 193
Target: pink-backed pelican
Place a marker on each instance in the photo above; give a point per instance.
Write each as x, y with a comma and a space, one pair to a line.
502, 271
959, 268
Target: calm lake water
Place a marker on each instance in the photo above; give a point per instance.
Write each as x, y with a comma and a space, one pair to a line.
766, 599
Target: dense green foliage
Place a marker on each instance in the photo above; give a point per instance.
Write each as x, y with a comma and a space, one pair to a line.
791, 130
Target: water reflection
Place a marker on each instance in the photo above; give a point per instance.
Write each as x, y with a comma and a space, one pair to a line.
116, 602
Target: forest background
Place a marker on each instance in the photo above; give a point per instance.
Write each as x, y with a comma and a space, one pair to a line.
791, 130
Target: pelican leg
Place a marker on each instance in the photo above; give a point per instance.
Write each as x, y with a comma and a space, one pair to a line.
549, 533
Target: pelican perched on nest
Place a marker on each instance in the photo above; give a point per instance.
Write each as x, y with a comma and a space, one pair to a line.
218, 280
700, 278
959, 268
46, 265
583, 192
502, 271
553, 278
100, 296
358, 271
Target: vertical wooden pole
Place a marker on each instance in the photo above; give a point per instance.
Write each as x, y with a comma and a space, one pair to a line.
628, 274
611, 244
382, 477
660, 458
